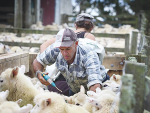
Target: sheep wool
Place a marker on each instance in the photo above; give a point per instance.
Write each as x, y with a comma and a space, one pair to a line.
19, 86
13, 107
52, 102
3, 96
107, 102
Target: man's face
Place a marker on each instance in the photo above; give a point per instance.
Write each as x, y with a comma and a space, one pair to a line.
69, 52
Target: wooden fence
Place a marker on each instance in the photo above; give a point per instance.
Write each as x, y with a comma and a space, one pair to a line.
126, 49
133, 82
114, 64
115, 21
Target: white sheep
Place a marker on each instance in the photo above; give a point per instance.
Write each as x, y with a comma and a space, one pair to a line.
116, 78
13, 107
19, 86
111, 85
4, 49
106, 101
16, 49
79, 99
52, 71
52, 102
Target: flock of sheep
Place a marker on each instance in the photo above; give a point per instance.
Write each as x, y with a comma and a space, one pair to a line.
41, 38
22, 94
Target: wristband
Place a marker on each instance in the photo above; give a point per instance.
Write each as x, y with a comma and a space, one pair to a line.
37, 73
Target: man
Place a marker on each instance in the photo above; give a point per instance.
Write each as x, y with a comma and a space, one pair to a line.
78, 63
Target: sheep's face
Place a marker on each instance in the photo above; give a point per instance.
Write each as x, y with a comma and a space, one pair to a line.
116, 78
41, 105
7, 77
80, 99
111, 85
94, 102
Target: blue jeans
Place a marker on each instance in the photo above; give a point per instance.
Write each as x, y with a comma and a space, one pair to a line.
107, 78
71, 92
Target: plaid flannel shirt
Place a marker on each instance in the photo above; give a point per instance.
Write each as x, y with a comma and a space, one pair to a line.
86, 69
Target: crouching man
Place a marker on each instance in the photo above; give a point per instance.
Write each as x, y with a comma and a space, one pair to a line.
77, 62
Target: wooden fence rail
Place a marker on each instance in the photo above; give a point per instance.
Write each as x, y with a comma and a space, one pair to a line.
133, 20
126, 49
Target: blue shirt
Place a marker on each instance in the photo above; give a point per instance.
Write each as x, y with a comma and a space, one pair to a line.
86, 69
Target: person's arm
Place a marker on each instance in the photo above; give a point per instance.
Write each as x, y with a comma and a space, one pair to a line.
92, 66
45, 58
93, 87
46, 44
89, 36
38, 69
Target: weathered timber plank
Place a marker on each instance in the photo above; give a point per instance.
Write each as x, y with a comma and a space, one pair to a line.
114, 62
14, 59
139, 71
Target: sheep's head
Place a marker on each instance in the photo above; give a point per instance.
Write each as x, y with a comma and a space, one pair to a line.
40, 105
78, 98
7, 77
111, 85
48, 101
116, 78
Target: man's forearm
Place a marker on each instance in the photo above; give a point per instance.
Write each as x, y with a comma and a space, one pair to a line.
37, 66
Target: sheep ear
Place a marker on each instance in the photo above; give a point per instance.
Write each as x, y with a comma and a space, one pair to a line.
47, 102
94, 102
4, 94
26, 109
114, 76
98, 90
19, 101
22, 69
92, 94
82, 90
14, 72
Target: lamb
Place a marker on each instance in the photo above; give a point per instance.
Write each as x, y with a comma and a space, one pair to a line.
19, 86
4, 49
16, 49
116, 78
3, 96
106, 101
111, 85
52, 102
13, 107
79, 99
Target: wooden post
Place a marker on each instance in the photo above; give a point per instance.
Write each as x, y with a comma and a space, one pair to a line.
127, 44
127, 99
31, 72
138, 70
37, 10
18, 14
28, 20
147, 94
134, 42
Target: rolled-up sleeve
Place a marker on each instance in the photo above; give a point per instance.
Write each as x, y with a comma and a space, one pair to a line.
92, 66
48, 56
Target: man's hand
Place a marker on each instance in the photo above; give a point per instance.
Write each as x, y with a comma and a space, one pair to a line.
42, 80
93, 87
